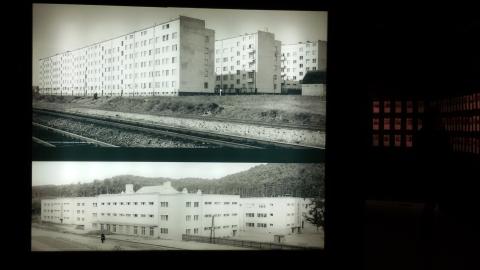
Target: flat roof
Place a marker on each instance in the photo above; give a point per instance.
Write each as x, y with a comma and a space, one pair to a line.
243, 35
129, 33
304, 42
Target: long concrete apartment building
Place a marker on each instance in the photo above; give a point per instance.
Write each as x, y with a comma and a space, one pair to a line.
164, 212
248, 63
167, 59
299, 58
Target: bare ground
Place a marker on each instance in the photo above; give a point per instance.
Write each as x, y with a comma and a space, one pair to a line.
300, 110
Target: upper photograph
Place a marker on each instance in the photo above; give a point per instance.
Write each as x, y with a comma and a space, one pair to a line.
112, 76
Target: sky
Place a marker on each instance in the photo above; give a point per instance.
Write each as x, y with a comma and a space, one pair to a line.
72, 172
58, 28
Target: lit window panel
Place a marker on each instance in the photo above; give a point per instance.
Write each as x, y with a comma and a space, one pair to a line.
408, 141
376, 124
376, 107
386, 106
398, 140
409, 124
398, 123
386, 123
386, 140
398, 106
409, 106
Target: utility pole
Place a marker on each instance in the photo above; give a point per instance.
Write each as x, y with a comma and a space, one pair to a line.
212, 229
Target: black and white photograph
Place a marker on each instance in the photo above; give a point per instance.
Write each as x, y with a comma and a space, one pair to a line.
110, 206
118, 76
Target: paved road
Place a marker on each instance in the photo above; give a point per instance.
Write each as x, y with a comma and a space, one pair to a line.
44, 240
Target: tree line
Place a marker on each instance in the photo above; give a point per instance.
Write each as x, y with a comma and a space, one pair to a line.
269, 180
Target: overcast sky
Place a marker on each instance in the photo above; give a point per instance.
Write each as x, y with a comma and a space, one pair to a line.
58, 28
63, 173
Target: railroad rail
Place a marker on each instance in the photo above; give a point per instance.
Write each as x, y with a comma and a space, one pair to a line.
176, 132
77, 139
248, 122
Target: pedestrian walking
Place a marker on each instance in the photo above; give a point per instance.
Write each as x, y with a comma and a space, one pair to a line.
102, 237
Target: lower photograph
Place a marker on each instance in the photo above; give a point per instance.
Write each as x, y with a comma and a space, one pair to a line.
110, 206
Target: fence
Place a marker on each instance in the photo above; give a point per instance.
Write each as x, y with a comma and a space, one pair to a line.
239, 243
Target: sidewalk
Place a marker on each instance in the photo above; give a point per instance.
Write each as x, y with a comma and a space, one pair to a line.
306, 239
175, 244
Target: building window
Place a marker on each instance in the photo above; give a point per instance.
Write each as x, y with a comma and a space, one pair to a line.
151, 231
188, 217
164, 217
163, 204
205, 85
164, 230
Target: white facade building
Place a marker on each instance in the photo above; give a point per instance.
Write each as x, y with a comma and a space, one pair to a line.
298, 59
248, 63
274, 215
164, 212
168, 59
76, 211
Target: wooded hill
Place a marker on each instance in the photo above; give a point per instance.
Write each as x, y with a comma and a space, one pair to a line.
276, 179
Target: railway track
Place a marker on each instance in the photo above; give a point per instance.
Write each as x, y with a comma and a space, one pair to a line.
52, 137
174, 132
249, 122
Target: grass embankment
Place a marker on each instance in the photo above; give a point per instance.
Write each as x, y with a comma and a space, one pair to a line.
265, 108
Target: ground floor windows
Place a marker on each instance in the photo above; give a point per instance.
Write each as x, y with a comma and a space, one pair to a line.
164, 230
152, 231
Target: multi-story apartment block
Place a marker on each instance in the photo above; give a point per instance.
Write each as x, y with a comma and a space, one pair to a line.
77, 211
248, 63
274, 215
298, 59
172, 58
164, 212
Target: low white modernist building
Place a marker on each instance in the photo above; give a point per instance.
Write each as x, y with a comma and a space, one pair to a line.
274, 215
164, 212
